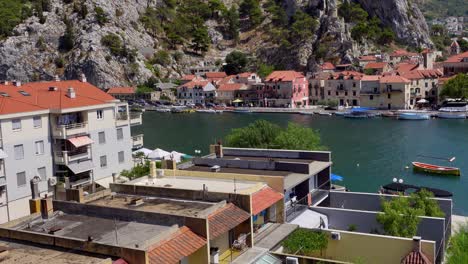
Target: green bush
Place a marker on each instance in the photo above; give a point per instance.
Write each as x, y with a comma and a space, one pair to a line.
101, 16
305, 242
114, 43
458, 245
162, 57
140, 170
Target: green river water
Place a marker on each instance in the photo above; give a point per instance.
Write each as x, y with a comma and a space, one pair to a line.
367, 153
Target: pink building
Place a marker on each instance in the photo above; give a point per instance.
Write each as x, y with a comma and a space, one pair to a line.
284, 88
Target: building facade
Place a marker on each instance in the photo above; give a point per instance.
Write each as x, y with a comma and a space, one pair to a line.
341, 87
196, 92
284, 88
69, 132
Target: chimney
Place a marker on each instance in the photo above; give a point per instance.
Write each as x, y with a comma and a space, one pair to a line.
417, 243
57, 78
71, 93
152, 169
83, 78
47, 208
169, 164
16, 83
35, 187
218, 150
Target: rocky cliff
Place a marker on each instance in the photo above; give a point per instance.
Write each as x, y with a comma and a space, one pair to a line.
34, 51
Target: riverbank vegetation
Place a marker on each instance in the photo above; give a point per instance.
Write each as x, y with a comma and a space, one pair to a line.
458, 245
401, 215
263, 134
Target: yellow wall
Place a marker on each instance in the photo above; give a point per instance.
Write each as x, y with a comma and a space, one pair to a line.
372, 248
198, 257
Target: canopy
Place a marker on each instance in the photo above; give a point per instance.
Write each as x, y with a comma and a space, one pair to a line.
158, 154
176, 156
105, 182
81, 141
335, 177
80, 167
237, 101
144, 150
422, 101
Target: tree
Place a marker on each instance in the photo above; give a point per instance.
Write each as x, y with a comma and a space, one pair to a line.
463, 44
359, 32
456, 87
263, 134
279, 16
251, 9
401, 215
114, 43
457, 252
201, 40
68, 39
231, 20
386, 37
303, 26
305, 242
264, 70
236, 62
352, 12
101, 16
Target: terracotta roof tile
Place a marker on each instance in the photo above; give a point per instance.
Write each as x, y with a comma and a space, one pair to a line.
40, 98
394, 79
328, 66
406, 67
264, 198
231, 86
283, 76
181, 244
188, 77
371, 78
422, 74
121, 90
458, 57
196, 83
416, 257
368, 58
244, 74
375, 65
225, 219
217, 75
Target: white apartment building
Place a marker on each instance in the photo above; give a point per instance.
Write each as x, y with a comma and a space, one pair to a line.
69, 132
196, 92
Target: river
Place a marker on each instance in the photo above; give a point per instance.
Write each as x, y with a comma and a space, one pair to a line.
367, 153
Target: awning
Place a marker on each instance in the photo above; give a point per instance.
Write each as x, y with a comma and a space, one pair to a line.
335, 177
80, 167
238, 101
105, 182
3, 154
264, 198
225, 219
81, 141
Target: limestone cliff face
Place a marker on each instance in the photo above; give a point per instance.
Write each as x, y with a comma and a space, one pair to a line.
32, 53
405, 19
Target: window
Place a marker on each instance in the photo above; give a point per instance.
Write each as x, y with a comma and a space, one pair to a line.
21, 178
120, 134
19, 152
389, 96
371, 97
354, 84
121, 157
426, 84
346, 93
103, 160
39, 147
354, 93
102, 137
16, 124
37, 121
336, 93
41, 172
329, 93
100, 114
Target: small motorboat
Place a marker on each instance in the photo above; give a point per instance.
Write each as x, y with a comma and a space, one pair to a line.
359, 114
419, 166
340, 113
163, 110
207, 111
325, 113
451, 115
306, 113
242, 111
388, 114
413, 116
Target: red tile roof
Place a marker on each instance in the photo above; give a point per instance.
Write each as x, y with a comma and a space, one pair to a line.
181, 244
196, 83
401, 53
188, 77
368, 58
375, 65
42, 99
347, 75
406, 67
394, 79
225, 219
283, 76
217, 75
416, 257
244, 74
264, 198
121, 90
231, 86
371, 77
328, 66
422, 74
458, 57
454, 44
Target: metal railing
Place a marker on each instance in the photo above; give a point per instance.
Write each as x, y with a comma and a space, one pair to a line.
121, 116
293, 209
73, 126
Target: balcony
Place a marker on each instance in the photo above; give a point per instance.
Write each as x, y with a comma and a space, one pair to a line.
137, 141
121, 119
64, 131
136, 118
66, 157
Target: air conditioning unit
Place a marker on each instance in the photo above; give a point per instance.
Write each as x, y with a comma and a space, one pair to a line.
291, 260
53, 181
335, 236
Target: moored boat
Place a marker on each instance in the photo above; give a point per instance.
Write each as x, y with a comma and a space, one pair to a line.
451, 115
419, 166
359, 114
208, 111
242, 111
413, 116
306, 113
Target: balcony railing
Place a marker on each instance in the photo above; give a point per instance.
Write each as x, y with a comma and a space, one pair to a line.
137, 141
121, 119
136, 119
66, 157
64, 131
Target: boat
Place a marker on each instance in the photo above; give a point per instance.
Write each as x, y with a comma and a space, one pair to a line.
396, 188
413, 116
340, 113
419, 166
325, 113
219, 111
208, 111
359, 114
388, 114
163, 110
242, 111
306, 113
451, 115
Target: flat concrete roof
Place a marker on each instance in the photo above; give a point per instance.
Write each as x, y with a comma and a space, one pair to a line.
157, 205
25, 252
261, 158
274, 236
102, 230
240, 171
197, 183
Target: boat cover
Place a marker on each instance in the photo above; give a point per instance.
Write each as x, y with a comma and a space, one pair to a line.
401, 187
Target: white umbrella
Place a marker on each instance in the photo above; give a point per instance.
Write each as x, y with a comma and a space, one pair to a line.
144, 150
422, 101
158, 154
177, 156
